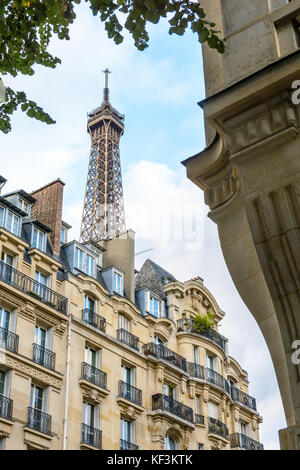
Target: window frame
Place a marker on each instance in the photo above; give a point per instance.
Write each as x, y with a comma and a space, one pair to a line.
39, 233
118, 274
12, 225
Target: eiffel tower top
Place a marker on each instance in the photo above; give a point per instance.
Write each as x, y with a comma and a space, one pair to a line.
106, 108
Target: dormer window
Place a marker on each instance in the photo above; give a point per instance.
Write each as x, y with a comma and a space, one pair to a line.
118, 283
38, 239
24, 206
79, 259
1, 216
63, 235
154, 306
84, 262
89, 265
12, 223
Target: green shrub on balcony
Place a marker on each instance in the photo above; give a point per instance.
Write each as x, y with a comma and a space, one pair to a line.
204, 323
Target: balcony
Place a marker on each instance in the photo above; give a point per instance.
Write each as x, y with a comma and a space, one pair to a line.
127, 338
125, 445
186, 325
241, 441
31, 287
93, 375
9, 340
195, 370
169, 404
215, 378
43, 356
6, 407
39, 421
130, 393
90, 317
243, 398
199, 419
162, 352
91, 436
216, 427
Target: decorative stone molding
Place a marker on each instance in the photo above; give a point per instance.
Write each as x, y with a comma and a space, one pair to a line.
92, 391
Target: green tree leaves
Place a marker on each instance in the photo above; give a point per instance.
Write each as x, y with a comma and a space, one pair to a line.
27, 26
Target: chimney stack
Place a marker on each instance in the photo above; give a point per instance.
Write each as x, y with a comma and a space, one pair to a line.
48, 209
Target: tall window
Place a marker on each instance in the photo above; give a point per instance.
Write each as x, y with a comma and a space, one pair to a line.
117, 283
124, 323
198, 405
38, 239
89, 303
210, 362
127, 430
127, 374
2, 443
36, 397
4, 318
154, 306
90, 265
157, 340
213, 410
1, 216
170, 443
196, 355
91, 356
41, 284
12, 223
79, 259
88, 414
24, 206
63, 235
244, 428
2, 382
169, 390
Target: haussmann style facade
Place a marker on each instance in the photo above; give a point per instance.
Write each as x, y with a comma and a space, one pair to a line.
94, 355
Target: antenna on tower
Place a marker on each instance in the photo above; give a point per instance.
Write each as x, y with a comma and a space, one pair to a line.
106, 90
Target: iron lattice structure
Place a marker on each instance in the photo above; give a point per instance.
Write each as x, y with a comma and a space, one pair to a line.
103, 211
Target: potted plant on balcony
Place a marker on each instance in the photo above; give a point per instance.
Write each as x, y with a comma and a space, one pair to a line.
204, 323
35, 294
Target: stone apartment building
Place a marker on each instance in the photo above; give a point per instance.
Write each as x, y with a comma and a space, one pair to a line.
94, 355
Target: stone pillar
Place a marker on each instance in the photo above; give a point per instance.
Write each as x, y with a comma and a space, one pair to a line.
250, 175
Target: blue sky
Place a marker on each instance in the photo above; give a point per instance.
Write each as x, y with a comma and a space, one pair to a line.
158, 91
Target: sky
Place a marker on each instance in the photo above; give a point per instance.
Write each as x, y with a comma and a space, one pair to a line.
157, 90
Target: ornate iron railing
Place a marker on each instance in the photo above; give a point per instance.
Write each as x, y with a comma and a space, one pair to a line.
125, 445
130, 392
196, 370
242, 397
43, 356
93, 319
39, 420
165, 403
199, 419
9, 340
6, 407
244, 442
29, 286
128, 338
217, 427
162, 352
187, 325
215, 378
93, 375
91, 436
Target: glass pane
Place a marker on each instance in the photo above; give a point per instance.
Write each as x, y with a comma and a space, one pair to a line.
16, 225
4, 319
1, 215
34, 237
41, 241
2, 382
8, 223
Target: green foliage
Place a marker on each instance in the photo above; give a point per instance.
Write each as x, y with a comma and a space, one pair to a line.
26, 28
203, 323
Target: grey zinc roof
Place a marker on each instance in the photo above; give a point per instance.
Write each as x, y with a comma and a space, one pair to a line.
162, 273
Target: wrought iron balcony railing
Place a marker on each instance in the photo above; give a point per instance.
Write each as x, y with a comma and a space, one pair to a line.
93, 375
6, 407
125, 445
93, 319
215, 378
129, 392
199, 419
91, 436
29, 286
43, 356
39, 420
244, 442
9, 340
242, 397
196, 370
217, 427
187, 325
128, 338
162, 352
165, 403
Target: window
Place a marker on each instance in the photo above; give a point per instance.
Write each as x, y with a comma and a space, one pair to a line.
4, 318
124, 323
36, 397
12, 223
213, 410
24, 206
88, 414
63, 235
7, 258
117, 283
91, 356
38, 239
127, 374
200, 446
79, 259
2, 443
41, 284
210, 362
244, 428
170, 443
2, 382
90, 265
169, 390
89, 303
198, 405
196, 355
1, 216
154, 306
157, 340
127, 430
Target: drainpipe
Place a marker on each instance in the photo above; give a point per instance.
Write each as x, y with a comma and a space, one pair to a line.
67, 385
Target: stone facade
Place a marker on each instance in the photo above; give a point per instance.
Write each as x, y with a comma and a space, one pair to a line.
84, 365
249, 173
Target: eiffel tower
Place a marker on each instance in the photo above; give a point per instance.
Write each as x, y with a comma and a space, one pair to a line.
103, 211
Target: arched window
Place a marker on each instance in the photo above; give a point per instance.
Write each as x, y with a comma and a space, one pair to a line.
170, 443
